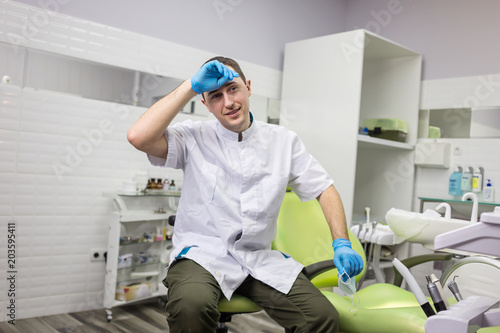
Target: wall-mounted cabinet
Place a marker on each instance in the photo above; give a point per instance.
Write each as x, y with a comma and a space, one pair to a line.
330, 85
478, 122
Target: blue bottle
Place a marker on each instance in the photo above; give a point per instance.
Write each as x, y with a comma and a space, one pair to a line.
454, 187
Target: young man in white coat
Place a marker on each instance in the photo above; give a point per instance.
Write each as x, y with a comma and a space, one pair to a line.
236, 171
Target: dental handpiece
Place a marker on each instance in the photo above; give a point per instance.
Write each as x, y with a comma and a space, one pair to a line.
412, 283
435, 280
452, 285
435, 295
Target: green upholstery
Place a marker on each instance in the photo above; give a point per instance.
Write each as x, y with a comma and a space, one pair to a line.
383, 308
304, 234
238, 304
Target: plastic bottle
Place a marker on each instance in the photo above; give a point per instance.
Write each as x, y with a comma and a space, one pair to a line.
477, 180
489, 192
466, 184
455, 183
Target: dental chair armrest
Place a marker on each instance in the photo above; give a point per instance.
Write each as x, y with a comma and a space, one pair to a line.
417, 260
313, 270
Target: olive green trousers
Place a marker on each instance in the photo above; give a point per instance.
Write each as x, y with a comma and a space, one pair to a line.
194, 294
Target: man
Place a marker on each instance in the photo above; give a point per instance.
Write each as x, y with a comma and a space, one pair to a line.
236, 171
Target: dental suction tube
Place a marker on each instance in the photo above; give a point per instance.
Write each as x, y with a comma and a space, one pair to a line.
412, 283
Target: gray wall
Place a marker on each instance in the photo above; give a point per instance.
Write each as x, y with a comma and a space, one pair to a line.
456, 37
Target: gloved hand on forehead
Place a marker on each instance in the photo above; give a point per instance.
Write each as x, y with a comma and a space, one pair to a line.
346, 259
211, 76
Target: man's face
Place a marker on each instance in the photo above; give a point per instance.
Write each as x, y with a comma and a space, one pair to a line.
230, 104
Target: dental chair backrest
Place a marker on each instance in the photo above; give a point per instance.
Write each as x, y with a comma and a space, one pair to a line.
303, 233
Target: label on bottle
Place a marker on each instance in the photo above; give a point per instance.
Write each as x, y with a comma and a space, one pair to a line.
466, 182
475, 182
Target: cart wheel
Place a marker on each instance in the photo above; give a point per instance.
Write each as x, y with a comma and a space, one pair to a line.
109, 315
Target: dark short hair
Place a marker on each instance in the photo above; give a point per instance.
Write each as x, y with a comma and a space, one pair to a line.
229, 62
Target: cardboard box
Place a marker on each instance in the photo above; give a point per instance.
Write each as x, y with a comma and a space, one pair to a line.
133, 291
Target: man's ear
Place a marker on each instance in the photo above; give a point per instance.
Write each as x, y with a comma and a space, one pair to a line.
248, 85
205, 103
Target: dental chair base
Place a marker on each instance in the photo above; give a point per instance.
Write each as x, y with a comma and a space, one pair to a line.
472, 313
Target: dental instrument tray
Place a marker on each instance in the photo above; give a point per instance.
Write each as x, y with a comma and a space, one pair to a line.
387, 128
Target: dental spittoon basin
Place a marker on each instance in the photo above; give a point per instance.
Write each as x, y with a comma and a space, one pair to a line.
421, 228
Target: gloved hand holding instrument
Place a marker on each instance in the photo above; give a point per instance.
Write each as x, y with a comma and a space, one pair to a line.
211, 76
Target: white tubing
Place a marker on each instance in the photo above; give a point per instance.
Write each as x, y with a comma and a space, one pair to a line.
412, 283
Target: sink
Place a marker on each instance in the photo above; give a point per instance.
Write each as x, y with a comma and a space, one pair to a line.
421, 228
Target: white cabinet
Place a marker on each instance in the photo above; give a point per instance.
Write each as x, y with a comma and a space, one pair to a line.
330, 85
139, 247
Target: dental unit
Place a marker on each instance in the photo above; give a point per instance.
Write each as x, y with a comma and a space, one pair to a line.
475, 258
474, 311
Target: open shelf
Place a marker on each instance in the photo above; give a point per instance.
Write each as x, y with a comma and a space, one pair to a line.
365, 141
152, 193
458, 201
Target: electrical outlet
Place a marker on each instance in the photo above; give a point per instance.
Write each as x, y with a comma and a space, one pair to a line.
98, 254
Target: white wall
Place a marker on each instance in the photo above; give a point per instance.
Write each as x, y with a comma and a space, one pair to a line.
456, 37
465, 92
252, 30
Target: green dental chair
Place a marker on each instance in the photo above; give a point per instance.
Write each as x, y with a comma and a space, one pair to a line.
303, 233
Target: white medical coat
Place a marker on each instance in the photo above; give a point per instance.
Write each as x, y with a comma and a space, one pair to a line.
231, 196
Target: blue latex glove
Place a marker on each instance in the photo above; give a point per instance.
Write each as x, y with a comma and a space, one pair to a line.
345, 258
211, 76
